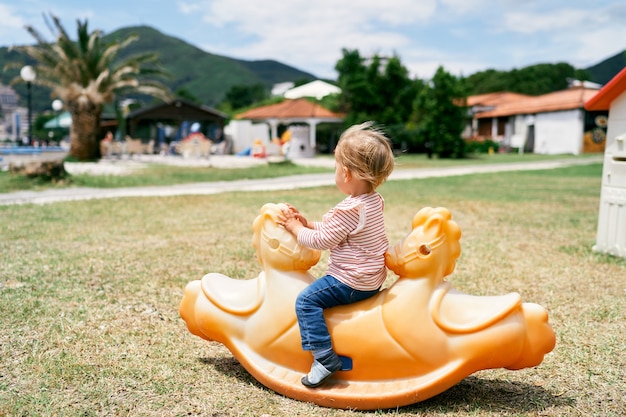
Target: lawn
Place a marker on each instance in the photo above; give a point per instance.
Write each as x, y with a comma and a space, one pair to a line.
89, 295
161, 174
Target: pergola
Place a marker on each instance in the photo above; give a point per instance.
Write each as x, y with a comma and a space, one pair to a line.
175, 112
290, 112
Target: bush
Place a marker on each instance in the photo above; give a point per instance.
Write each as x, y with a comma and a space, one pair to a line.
481, 146
406, 139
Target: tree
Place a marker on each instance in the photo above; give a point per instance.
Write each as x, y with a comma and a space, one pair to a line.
86, 75
240, 96
187, 95
441, 114
400, 92
356, 92
378, 89
532, 80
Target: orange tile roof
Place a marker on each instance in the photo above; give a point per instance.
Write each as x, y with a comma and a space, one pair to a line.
572, 98
608, 93
290, 109
494, 99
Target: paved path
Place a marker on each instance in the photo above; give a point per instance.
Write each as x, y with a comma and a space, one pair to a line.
267, 184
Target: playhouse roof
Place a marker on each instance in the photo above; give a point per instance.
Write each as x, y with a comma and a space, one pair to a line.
608, 93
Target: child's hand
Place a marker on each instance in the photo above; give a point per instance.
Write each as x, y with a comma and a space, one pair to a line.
291, 220
295, 212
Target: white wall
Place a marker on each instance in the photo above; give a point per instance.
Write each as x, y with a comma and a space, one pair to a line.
244, 133
617, 119
611, 235
559, 132
519, 131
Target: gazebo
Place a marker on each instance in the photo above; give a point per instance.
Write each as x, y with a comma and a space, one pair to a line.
291, 112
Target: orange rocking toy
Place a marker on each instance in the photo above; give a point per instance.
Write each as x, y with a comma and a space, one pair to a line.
408, 343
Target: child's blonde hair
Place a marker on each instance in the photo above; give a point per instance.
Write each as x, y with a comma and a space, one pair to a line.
366, 152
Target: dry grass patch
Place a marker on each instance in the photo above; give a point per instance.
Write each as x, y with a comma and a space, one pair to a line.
89, 295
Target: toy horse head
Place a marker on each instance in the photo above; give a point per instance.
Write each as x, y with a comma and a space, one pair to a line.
432, 243
276, 247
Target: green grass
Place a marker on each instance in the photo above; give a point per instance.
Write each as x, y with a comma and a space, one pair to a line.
89, 295
421, 161
156, 174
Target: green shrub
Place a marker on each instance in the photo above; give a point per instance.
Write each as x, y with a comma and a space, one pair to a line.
481, 146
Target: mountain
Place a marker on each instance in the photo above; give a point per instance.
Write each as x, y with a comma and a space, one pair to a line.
207, 76
604, 71
204, 75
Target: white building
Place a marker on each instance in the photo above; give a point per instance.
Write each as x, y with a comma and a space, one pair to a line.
554, 123
13, 122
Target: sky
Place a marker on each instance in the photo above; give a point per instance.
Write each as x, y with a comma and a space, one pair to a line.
463, 36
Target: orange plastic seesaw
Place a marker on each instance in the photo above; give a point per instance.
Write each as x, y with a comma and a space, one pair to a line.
408, 343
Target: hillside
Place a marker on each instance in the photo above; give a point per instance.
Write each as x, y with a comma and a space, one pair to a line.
603, 72
207, 76
542, 78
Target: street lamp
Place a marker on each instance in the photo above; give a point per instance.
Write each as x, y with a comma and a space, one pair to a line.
28, 74
57, 105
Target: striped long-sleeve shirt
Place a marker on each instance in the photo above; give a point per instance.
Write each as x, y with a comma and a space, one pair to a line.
354, 231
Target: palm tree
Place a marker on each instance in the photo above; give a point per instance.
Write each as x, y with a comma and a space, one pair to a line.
86, 74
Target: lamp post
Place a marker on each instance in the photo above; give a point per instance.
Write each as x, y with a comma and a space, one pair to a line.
57, 105
28, 74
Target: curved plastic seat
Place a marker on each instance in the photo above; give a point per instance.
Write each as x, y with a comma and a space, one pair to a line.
408, 343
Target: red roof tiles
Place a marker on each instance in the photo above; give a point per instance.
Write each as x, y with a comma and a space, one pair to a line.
290, 109
572, 98
494, 99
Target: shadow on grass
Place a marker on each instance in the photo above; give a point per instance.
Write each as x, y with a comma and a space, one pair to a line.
231, 368
471, 394
495, 395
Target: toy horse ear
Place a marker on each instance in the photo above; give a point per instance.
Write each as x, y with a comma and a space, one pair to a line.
433, 223
421, 216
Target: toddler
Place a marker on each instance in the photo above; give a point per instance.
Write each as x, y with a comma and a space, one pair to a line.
354, 231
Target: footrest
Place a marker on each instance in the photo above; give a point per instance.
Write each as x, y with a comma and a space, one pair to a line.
346, 363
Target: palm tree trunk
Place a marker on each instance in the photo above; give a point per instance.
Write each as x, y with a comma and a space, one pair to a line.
84, 134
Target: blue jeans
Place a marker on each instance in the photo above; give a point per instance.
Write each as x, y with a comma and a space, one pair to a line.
325, 292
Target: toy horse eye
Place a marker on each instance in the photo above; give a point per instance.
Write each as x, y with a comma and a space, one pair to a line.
424, 249
274, 243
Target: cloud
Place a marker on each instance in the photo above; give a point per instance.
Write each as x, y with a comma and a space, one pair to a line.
12, 22
302, 32
580, 35
594, 46
254, 16
187, 7
464, 36
533, 22
466, 6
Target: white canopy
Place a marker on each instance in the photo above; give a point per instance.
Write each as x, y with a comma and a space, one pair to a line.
317, 89
62, 120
